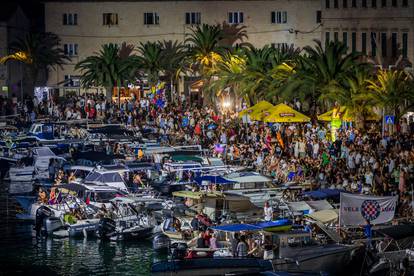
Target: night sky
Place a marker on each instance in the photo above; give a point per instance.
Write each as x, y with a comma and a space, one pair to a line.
33, 9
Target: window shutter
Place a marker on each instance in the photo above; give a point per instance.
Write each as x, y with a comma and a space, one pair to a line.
187, 18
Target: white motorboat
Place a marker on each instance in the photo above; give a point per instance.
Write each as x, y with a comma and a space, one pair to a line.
35, 166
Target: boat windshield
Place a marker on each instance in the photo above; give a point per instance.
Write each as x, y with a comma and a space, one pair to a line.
104, 178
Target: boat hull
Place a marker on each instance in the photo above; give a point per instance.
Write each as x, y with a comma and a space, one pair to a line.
330, 260
210, 266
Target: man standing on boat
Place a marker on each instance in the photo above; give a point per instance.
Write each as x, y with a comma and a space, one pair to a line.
268, 212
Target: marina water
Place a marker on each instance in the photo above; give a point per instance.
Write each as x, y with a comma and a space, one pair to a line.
21, 253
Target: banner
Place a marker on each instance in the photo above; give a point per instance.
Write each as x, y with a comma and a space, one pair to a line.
355, 209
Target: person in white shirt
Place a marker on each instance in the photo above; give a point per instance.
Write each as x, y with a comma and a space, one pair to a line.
268, 212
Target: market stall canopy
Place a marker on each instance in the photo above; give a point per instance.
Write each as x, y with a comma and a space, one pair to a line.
347, 116
283, 113
256, 111
324, 216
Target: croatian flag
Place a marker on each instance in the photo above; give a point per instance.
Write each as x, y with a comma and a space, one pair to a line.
356, 209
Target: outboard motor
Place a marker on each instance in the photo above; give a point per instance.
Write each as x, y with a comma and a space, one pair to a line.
106, 228
161, 243
178, 250
42, 213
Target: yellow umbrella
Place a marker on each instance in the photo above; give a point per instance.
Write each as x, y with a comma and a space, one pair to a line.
282, 113
256, 111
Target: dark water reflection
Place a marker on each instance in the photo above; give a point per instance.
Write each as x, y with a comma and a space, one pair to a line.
22, 253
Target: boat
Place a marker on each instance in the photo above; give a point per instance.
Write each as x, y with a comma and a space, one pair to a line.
218, 205
33, 167
253, 185
125, 223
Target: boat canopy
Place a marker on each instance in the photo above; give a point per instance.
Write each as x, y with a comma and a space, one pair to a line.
248, 177
43, 152
319, 205
183, 158
324, 216
213, 179
197, 195
251, 227
323, 193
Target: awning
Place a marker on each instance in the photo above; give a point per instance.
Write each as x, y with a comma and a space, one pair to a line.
283, 113
257, 111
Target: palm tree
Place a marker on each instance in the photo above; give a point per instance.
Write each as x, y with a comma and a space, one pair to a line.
355, 95
173, 61
320, 71
230, 72
233, 34
38, 52
204, 48
108, 68
391, 90
150, 61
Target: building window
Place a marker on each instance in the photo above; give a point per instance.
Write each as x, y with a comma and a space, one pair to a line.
192, 18
70, 49
364, 43
72, 81
405, 3
279, 17
327, 37
236, 17
394, 45
364, 3
336, 36
327, 4
110, 19
353, 42
318, 16
405, 45
336, 4
151, 18
373, 44
345, 4
345, 39
383, 3
384, 44
70, 19
374, 3
394, 3
354, 4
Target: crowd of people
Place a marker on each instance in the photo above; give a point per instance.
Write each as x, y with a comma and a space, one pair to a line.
361, 161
